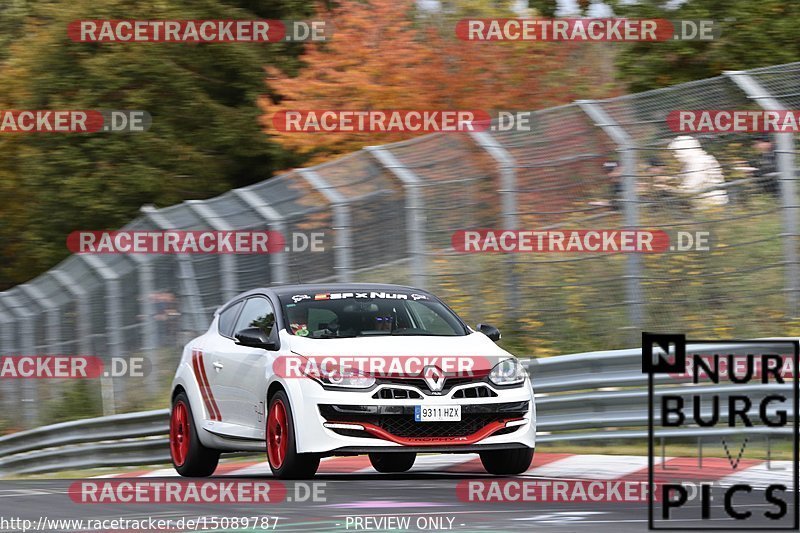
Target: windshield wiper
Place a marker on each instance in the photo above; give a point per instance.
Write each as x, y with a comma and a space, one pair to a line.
417, 333
332, 336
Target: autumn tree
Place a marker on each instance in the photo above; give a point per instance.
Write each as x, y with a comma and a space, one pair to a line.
386, 54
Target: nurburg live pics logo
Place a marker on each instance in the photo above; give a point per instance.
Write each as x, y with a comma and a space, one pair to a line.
738, 390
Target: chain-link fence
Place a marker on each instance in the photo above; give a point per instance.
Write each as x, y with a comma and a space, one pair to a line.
388, 214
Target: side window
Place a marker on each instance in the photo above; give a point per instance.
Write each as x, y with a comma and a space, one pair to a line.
225, 324
257, 313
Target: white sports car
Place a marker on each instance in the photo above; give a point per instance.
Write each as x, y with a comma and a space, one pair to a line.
348, 369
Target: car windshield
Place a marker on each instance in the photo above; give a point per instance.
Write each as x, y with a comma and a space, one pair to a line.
336, 315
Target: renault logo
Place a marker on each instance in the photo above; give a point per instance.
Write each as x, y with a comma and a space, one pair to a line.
434, 378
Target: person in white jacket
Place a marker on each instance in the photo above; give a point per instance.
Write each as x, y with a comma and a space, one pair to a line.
700, 172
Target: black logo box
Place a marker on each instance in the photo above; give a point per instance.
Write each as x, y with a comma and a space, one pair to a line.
664, 365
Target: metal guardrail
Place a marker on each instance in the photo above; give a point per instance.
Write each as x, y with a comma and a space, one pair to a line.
118, 440
580, 397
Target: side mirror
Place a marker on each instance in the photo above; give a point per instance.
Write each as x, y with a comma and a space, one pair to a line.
255, 338
490, 331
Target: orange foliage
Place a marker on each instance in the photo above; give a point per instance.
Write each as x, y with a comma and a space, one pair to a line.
383, 56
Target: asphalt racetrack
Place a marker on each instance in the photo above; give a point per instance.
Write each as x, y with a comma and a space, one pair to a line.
427, 500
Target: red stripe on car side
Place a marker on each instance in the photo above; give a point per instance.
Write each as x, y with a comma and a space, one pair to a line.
208, 386
200, 384
205, 388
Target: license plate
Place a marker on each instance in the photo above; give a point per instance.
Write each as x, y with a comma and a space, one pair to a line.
437, 413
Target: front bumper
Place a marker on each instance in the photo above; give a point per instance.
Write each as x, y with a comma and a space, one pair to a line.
367, 420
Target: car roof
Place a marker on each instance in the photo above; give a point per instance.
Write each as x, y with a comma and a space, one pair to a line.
286, 290
303, 288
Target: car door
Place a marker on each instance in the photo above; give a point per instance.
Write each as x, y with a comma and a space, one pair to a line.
241, 370
215, 388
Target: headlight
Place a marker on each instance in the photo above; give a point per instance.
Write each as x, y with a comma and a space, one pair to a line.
508, 372
349, 379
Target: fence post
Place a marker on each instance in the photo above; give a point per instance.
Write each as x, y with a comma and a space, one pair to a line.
30, 394
191, 304
508, 191
10, 387
52, 336
630, 207
415, 218
150, 333
53, 326
113, 297
82, 312
227, 262
82, 308
340, 206
784, 152
275, 222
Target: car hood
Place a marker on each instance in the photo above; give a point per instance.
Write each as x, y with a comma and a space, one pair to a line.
474, 344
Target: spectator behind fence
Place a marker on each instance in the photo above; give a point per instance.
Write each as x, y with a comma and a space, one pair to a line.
700, 172
657, 181
764, 165
614, 172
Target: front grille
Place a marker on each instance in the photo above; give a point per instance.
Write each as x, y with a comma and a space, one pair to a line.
478, 391
399, 420
407, 427
396, 394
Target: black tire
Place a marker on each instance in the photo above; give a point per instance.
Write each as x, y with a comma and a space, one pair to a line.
198, 461
292, 465
392, 463
507, 462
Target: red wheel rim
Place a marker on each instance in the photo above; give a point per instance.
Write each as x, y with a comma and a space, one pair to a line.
179, 433
277, 434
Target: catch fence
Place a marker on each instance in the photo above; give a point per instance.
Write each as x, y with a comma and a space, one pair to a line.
388, 214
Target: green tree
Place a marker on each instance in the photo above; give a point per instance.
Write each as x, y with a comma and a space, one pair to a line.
205, 137
754, 34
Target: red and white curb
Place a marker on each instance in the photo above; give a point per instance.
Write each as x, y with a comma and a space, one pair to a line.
545, 465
